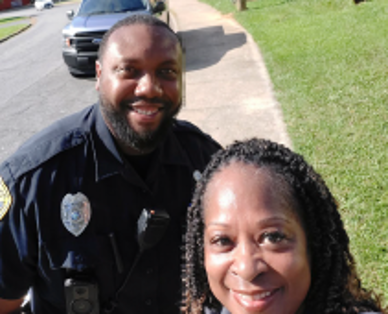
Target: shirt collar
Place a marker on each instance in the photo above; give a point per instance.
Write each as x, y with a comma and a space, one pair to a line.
106, 156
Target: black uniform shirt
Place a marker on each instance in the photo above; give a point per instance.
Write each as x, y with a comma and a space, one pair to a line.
78, 154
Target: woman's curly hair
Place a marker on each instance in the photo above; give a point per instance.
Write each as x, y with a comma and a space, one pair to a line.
335, 287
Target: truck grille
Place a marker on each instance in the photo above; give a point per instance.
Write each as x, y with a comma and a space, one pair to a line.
87, 42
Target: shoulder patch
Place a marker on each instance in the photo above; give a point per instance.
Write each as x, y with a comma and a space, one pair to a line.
5, 199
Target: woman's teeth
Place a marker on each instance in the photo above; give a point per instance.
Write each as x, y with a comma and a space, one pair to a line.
254, 297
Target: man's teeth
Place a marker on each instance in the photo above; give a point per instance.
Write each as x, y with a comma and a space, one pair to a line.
254, 297
146, 112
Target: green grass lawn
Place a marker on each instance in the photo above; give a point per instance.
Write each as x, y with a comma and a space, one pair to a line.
328, 60
7, 31
10, 19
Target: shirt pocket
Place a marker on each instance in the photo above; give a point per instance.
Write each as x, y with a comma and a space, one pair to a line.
79, 254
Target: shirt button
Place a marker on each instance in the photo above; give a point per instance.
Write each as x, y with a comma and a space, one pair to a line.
149, 271
148, 302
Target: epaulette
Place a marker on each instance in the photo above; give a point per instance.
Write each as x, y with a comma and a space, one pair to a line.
35, 153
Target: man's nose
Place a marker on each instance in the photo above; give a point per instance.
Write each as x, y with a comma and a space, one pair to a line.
248, 262
148, 86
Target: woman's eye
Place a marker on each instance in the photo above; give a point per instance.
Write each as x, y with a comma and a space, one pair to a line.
221, 241
273, 237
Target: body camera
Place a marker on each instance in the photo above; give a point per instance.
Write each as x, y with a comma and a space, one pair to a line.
81, 297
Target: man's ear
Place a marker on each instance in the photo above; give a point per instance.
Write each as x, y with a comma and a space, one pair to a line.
98, 74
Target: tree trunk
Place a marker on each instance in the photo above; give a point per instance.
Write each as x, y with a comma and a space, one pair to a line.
241, 5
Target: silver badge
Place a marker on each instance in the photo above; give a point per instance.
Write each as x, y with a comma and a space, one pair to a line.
197, 175
75, 213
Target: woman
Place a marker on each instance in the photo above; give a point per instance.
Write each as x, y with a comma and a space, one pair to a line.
265, 236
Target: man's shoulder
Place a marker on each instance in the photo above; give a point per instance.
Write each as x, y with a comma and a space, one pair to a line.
198, 145
189, 131
55, 139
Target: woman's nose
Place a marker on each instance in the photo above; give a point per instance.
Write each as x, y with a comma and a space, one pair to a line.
148, 86
248, 262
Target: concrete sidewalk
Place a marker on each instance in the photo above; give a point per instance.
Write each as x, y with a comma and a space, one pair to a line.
228, 90
25, 21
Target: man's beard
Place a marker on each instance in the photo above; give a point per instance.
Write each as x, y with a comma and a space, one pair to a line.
143, 142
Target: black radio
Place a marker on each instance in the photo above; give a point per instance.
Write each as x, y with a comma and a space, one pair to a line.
151, 227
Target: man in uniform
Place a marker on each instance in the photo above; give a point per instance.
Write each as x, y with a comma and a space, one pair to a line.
70, 197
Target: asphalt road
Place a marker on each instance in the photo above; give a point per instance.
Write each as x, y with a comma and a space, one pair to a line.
35, 86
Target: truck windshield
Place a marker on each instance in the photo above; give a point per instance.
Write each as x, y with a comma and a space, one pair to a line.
92, 7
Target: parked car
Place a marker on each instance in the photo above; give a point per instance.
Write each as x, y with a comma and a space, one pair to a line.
43, 4
81, 37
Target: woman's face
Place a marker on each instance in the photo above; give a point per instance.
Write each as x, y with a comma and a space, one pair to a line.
256, 255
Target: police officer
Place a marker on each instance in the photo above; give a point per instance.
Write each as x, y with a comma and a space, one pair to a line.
70, 197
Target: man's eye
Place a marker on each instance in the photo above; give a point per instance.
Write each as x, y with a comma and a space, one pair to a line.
273, 237
125, 70
168, 73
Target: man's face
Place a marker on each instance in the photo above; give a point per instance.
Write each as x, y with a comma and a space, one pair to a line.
139, 81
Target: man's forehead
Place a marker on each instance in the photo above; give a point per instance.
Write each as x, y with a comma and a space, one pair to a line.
143, 32
139, 42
